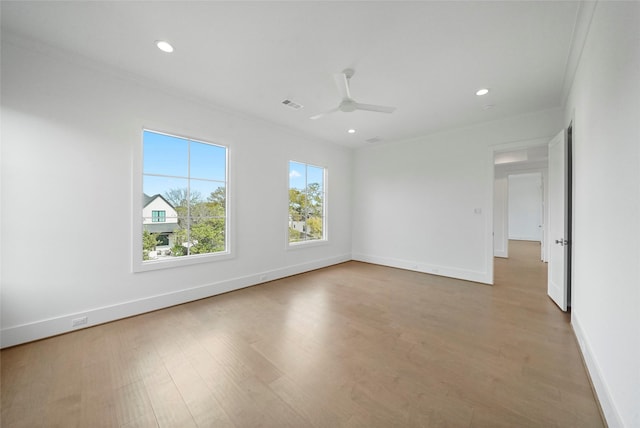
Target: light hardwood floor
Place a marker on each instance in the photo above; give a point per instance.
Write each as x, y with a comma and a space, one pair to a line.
353, 345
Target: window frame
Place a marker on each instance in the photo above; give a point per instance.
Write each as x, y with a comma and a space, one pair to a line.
140, 265
158, 216
325, 220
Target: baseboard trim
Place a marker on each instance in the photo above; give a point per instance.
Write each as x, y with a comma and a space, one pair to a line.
467, 275
599, 384
501, 253
525, 238
42, 329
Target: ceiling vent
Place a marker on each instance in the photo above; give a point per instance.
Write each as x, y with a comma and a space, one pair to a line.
292, 104
373, 140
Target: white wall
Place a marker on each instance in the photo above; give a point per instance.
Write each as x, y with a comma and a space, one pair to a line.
69, 134
426, 204
604, 104
525, 206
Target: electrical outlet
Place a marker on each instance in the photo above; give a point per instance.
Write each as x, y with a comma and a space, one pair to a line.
79, 321
263, 277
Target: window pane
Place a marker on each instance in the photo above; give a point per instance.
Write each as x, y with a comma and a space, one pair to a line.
208, 161
166, 155
184, 197
297, 175
315, 175
306, 202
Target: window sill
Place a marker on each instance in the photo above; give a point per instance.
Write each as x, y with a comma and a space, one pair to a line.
306, 244
151, 265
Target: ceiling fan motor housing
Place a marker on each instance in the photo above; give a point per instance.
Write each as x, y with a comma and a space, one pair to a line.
347, 106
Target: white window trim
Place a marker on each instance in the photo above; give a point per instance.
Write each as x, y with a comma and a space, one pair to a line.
325, 203
305, 244
140, 265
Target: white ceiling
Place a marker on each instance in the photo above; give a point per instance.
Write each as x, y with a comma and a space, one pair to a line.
425, 58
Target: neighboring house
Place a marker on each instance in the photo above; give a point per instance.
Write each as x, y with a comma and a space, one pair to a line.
160, 218
300, 226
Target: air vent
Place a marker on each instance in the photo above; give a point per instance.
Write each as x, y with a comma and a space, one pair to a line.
373, 140
292, 104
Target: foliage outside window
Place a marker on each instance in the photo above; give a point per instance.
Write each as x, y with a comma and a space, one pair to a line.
306, 202
184, 197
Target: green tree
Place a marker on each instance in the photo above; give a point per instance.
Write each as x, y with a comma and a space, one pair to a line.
208, 236
201, 223
149, 243
306, 205
314, 199
314, 227
297, 204
218, 198
295, 235
180, 237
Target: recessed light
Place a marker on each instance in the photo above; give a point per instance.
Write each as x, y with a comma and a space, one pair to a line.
164, 46
351, 131
483, 91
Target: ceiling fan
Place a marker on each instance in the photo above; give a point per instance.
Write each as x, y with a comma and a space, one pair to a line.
348, 104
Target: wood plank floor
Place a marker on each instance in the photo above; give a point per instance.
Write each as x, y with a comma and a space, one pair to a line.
353, 345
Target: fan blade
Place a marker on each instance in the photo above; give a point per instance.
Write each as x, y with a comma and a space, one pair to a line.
371, 107
343, 85
319, 115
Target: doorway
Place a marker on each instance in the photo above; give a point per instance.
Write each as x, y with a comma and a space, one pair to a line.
519, 197
534, 157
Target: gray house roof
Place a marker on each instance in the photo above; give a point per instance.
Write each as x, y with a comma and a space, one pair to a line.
146, 200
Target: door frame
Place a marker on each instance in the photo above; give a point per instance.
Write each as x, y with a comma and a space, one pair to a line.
492, 151
569, 227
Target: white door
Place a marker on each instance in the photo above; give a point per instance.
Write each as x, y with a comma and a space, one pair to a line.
525, 206
557, 286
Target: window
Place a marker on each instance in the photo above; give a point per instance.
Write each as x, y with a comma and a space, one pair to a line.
184, 186
306, 203
158, 216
